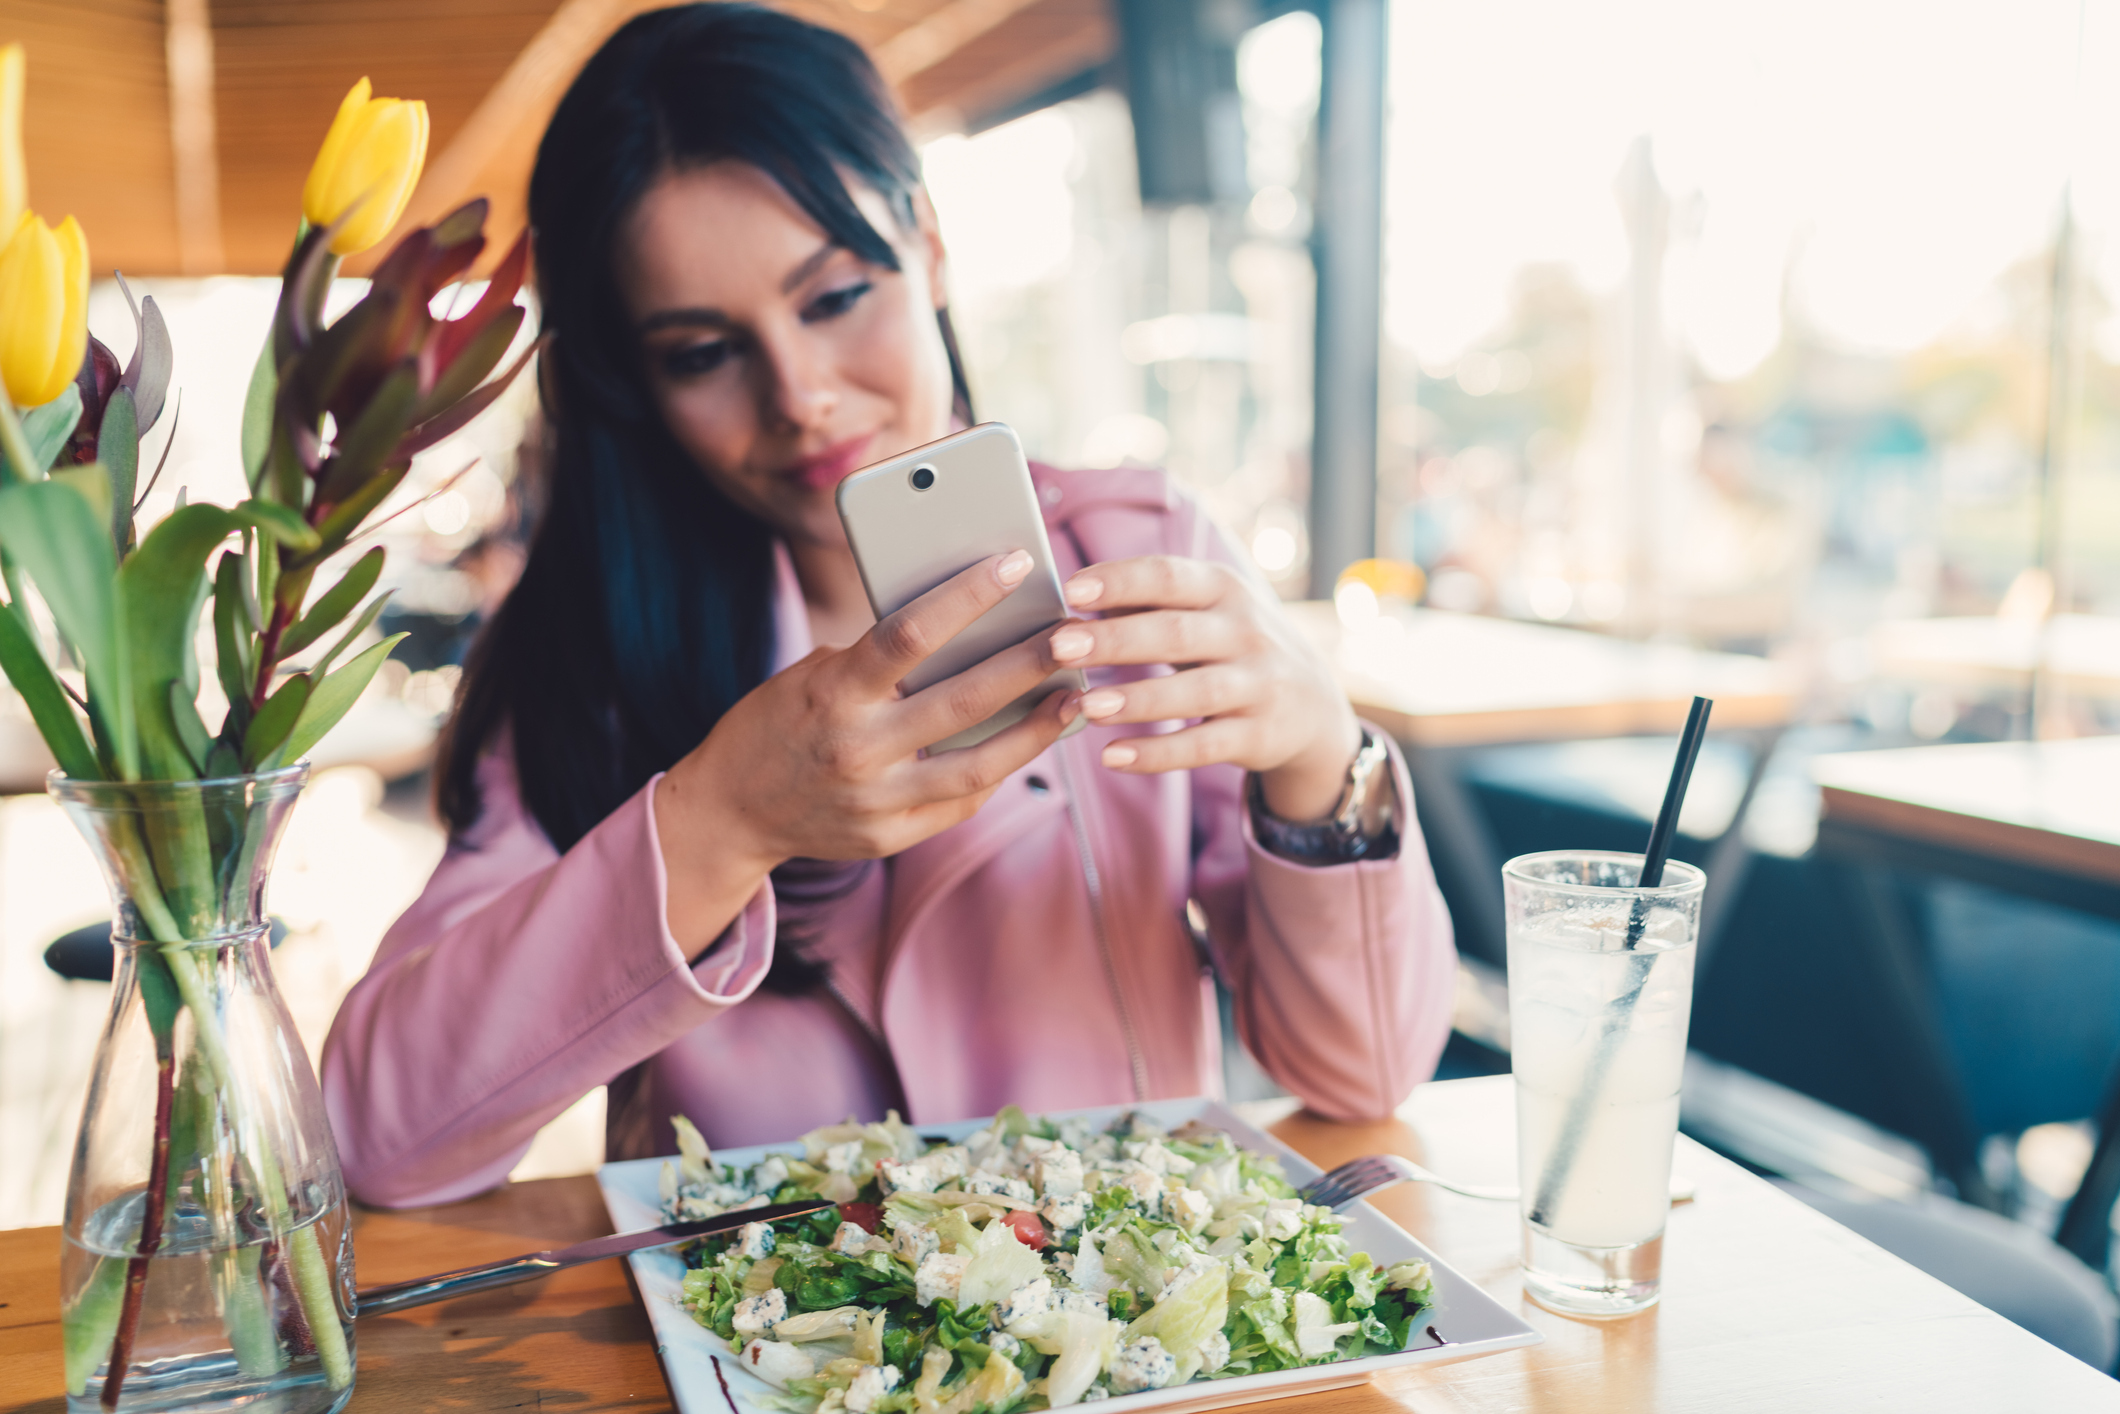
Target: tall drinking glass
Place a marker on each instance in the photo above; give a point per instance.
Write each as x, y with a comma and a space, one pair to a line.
1600, 989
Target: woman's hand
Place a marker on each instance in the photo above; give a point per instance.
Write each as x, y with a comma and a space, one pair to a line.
1265, 698
822, 760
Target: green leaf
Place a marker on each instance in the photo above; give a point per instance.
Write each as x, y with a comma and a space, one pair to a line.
346, 640
281, 523
89, 1322
93, 482
275, 720
162, 587
118, 448
47, 701
335, 604
257, 413
333, 697
232, 633
191, 728
147, 375
343, 519
52, 532
363, 448
46, 429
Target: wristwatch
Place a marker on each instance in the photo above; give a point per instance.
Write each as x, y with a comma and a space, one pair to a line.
1362, 825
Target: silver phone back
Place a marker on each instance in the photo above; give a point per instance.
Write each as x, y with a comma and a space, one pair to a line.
907, 540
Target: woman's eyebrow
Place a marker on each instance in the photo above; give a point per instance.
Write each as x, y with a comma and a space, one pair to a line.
808, 267
714, 318
685, 319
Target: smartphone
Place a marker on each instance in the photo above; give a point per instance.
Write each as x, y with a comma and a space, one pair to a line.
918, 519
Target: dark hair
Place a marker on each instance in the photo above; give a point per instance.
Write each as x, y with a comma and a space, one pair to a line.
645, 606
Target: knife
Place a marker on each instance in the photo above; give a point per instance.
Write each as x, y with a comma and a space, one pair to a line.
377, 1300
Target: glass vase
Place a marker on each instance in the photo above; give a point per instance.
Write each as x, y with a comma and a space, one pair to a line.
208, 1260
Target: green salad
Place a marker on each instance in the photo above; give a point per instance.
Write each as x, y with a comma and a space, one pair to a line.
1030, 1265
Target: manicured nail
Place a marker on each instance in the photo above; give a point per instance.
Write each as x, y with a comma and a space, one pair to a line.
1013, 567
1103, 703
1071, 643
1084, 589
1070, 708
1119, 754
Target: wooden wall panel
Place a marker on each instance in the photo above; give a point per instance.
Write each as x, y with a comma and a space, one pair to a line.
96, 125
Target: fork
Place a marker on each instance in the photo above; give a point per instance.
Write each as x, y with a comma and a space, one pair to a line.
1359, 1177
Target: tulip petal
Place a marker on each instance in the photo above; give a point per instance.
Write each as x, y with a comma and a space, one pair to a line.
385, 152
33, 298
73, 332
318, 205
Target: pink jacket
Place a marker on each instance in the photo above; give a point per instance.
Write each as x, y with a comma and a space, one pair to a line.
1037, 954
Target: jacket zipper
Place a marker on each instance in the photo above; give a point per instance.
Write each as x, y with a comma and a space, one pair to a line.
1090, 877
875, 1035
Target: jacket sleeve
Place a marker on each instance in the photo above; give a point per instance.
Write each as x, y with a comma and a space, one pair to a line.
520, 980
1343, 975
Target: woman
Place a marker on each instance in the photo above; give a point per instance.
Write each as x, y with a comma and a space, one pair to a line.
695, 850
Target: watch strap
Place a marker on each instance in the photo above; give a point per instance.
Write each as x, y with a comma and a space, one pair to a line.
1338, 838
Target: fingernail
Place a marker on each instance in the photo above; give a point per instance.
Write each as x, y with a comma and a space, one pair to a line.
1069, 644
1013, 568
1070, 707
1119, 755
1102, 703
1082, 590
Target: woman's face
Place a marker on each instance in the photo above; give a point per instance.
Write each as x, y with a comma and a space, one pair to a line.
781, 361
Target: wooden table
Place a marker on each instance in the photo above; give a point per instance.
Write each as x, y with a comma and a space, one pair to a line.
1445, 683
1769, 1306
2081, 651
2037, 819
1438, 679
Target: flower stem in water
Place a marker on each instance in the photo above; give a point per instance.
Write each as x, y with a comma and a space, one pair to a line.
150, 1225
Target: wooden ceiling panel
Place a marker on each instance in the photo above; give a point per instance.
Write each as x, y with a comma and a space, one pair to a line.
1035, 48
98, 125
281, 69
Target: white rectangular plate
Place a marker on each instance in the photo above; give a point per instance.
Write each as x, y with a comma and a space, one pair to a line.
1468, 1321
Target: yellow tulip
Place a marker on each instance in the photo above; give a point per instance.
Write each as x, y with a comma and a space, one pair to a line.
372, 156
14, 172
43, 309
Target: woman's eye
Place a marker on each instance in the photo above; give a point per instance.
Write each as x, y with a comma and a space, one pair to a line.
696, 360
833, 303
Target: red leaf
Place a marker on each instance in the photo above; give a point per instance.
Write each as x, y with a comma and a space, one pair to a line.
446, 424
450, 339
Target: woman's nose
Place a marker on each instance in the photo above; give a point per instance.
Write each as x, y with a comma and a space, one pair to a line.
801, 391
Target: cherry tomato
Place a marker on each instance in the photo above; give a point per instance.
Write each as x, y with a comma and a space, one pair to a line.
1028, 1229
866, 1216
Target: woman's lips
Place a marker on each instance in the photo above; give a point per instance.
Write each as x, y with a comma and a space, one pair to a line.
826, 469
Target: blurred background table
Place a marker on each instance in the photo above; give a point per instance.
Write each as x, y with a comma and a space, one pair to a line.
1768, 1305
1445, 683
2037, 819
2080, 651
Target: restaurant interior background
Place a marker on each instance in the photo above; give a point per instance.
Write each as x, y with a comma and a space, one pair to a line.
1789, 332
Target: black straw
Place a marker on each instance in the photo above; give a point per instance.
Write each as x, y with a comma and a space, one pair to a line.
1666, 827
1562, 1157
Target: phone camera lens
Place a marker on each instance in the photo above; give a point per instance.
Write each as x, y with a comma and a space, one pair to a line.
923, 477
